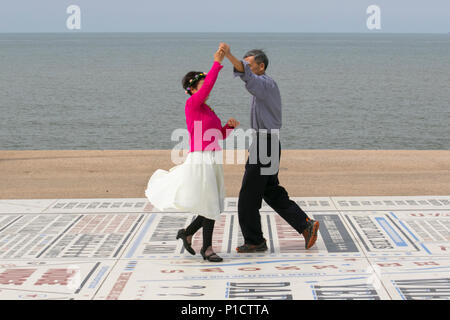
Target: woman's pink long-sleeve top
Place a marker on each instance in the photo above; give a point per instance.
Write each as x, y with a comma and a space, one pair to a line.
204, 126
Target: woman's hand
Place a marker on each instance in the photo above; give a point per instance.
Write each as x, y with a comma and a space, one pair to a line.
225, 47
237, 64
219, 55
233, 123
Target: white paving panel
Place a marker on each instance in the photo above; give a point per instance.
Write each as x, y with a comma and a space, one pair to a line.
25, 206
57, 236
307, 204
48, 280
418, 278
393, 203
367, 248
242, 279
100, 205
401, 233
157, 238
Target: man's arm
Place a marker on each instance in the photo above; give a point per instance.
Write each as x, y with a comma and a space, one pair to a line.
238, 66
255, 84
235, 62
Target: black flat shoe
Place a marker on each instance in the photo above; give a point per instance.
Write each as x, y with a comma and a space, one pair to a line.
213, 257
182, 235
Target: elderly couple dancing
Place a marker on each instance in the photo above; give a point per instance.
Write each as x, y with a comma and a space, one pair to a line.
197, 185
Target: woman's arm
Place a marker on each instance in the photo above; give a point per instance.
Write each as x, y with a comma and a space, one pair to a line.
226, 130
198, 98
229, 127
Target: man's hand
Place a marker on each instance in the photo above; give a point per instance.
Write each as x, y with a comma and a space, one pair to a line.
233, 123
225, 47
237, 64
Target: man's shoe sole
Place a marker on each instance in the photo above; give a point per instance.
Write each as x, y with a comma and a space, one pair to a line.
313, 238
252, 251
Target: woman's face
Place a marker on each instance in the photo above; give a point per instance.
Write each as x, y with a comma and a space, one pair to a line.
199, 85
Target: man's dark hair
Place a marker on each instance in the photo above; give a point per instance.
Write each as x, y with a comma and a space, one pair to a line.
260, 57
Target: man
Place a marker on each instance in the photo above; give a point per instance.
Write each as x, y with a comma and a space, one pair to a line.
256, 184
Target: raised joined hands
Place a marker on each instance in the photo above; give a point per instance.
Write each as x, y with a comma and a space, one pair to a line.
219, 55
225, 47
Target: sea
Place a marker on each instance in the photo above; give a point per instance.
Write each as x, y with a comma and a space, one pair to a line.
120, 91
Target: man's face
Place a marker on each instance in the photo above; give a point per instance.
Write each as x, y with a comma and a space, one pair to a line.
256, 68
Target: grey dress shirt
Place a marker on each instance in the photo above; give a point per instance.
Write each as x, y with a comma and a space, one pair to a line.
266, 99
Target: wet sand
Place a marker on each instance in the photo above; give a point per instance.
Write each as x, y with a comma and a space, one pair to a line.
41, 174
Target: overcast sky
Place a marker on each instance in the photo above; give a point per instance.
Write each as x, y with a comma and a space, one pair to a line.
410, 16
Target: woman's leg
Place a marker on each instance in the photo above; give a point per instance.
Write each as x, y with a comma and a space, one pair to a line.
208, 228
194, 227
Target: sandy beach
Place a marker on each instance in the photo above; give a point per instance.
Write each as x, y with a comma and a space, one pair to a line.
41, 174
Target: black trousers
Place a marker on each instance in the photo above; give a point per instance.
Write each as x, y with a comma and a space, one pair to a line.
257, 186
208, 228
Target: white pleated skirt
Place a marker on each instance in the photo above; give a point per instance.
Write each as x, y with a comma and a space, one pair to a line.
196, 185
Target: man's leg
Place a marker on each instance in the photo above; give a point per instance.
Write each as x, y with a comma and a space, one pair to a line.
278, 199
249, 203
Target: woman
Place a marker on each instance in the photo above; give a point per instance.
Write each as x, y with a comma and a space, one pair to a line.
197, 185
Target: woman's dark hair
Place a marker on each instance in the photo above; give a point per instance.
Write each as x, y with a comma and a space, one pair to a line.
187, 78
260, 57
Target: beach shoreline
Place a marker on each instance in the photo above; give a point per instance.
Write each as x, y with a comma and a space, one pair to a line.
48, 174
